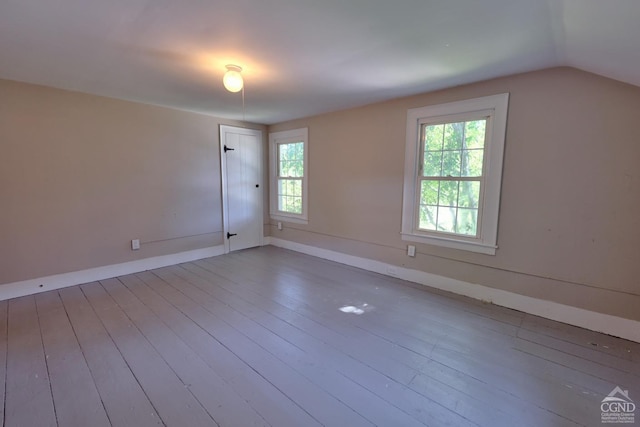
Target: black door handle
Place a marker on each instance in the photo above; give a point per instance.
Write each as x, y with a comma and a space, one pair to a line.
230, 234
228, 149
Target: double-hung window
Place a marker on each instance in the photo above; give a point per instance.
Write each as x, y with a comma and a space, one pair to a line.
288, 166
453, 172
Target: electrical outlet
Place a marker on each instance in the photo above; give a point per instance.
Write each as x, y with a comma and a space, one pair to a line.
279, 225
135, 244
411, 250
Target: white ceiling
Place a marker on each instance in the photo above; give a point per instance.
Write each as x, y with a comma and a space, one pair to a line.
304, 57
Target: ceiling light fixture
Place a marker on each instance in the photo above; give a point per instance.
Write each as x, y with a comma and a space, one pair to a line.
232, 79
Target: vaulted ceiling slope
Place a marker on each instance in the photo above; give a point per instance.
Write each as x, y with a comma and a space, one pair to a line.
304, 57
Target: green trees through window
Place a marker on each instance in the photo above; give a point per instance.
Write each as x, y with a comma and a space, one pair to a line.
451, 174
290, 176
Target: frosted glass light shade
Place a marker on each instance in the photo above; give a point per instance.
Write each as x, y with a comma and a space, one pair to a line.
232, 79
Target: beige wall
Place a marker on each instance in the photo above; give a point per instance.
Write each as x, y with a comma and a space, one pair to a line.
569, 227
82, 175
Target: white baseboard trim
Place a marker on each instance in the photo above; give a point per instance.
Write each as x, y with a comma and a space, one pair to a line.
599, 322
58, 281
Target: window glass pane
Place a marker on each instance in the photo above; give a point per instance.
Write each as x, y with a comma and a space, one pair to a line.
428, 215
454, 149
447, 219
448, 195
295, 188
291, 159
469, 194
433, 136
279, 165
453, 133
294, 205
432, 163
283, 152
429, 193
472, 162
451, 163
466, 222
290, 195
283, 185
475, 133
296, 168
299, 150
451, 150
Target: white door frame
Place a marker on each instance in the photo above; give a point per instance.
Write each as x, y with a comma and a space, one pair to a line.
223, 171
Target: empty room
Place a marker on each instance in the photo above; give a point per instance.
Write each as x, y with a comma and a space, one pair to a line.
286, 213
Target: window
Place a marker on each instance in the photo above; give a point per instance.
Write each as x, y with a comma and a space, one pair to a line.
453, 172
288, 160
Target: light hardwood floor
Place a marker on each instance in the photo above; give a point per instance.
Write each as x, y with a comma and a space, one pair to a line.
257, 338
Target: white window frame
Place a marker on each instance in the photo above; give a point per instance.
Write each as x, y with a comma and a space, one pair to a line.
287, 137
495, 108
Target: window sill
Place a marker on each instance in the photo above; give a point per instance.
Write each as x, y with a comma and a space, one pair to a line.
287, 218
464, 245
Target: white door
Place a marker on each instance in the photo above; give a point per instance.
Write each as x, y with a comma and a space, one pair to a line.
241, 157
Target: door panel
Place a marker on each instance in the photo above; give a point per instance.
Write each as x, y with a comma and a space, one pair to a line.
242, 187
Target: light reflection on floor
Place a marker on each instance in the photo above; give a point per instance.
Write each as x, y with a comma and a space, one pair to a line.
356, 309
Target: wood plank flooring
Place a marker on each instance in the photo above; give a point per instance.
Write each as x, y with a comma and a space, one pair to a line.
257, 338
